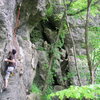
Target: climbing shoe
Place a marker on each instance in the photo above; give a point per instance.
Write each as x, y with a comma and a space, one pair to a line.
5, 89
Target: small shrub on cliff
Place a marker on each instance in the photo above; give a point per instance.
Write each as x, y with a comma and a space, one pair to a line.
35, 89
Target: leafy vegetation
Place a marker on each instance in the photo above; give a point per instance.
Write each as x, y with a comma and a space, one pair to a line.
94, 42
49, 11
35, 89
80, 6
88, 92
77, 9
55, 56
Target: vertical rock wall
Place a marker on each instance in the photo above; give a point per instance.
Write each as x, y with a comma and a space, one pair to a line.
27, 56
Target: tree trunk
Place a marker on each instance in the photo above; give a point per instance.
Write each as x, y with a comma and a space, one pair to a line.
87, 44
74, 47
52, 56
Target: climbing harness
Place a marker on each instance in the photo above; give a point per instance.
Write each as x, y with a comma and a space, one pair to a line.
12, 74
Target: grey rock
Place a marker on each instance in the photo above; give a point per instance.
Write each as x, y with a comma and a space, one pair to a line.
58, 88
34, 96
27, 57
50, 35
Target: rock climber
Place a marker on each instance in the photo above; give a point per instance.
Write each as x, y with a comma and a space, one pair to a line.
11, 63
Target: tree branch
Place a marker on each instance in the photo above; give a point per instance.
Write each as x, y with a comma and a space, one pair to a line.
72, 14
89, 61
68, 5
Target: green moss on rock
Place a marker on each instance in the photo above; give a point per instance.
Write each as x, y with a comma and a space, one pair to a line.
36, 35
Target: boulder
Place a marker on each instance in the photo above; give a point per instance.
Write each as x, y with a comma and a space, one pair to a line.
33, 96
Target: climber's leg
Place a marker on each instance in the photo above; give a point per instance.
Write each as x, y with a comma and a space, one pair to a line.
6, 79
5, 83
8, 72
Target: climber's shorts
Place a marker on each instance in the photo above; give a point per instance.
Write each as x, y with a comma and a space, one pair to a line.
8, 72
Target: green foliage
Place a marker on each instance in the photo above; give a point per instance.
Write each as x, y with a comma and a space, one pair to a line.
57, 53
49, 11
88, 92
46, 66
94, 42
50, 80
79, 5
41, 48
35, 89
49, 90
55, 56
75, 5
95, 10
94, 36
35, 35
82, 57
71, 74
58, 44
98, 75
57, 17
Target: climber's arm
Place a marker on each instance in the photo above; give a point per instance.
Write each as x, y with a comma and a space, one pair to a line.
12, 61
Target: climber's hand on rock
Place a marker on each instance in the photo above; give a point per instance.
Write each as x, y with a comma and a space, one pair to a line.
6, 60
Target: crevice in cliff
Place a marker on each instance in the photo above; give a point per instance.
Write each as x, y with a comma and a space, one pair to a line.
65, 70
49, 30
50, 23
45, 37
45, 30
55, 81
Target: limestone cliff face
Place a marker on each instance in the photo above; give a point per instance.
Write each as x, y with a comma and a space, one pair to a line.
32, 29
27, 57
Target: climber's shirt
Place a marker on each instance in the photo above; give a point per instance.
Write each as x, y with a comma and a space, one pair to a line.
10, 67
10, 64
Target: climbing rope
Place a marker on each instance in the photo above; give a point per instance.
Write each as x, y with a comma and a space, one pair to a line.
12, 42
17, 20
15, 42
